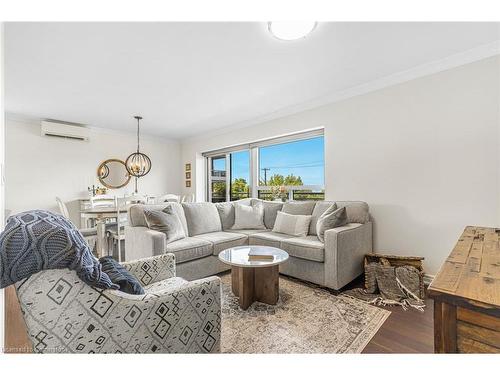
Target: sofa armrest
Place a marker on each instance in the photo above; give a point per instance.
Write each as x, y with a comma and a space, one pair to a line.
198, 308
143, 242
153, 269
345, 248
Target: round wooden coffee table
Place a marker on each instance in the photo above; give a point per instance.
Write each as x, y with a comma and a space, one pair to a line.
254, 280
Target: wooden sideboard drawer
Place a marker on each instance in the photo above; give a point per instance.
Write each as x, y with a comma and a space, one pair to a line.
482, 337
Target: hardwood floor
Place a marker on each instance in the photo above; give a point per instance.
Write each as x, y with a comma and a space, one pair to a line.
409, 331
16, 337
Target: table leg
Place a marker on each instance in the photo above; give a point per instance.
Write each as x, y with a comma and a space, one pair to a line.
101, 237
246, 287
255, 284
235, 280
267, 284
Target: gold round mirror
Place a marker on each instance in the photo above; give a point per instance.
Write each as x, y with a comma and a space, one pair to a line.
113, 174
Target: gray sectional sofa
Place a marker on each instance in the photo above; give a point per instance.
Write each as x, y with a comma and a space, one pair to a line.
332, 264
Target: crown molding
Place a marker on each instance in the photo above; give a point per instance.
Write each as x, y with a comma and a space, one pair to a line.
463, 58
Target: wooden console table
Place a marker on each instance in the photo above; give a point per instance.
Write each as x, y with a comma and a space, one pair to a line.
466, 293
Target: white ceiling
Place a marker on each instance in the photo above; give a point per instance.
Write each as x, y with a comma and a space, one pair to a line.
188, 78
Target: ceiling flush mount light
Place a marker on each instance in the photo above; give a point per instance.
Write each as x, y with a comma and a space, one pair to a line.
138, 164
291, 30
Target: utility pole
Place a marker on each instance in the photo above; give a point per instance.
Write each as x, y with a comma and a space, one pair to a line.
265, 175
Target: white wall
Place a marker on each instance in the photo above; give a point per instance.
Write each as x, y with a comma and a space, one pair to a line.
424, 154
40, 168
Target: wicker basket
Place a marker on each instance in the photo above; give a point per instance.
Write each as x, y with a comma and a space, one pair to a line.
395, 261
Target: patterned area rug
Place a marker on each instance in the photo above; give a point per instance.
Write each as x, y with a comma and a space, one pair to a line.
307, 319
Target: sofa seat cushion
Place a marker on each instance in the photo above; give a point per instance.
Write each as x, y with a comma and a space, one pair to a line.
170, 283
223, 240
189, 248
248, 232
309, 248
268, 239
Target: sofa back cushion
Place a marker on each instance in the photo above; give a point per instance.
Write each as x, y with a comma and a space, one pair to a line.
226, 214
201, 217
270, 211
299, 208
226, 211
136, 213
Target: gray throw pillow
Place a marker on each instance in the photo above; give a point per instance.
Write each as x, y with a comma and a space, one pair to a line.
226, 214
331, 218
165, 221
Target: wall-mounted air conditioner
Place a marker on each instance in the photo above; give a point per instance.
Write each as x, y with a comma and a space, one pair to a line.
63, 130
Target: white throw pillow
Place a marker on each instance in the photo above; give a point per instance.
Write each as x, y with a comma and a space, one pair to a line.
295, 225
248, 217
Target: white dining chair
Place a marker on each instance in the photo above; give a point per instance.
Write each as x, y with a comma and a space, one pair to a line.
117, 233
89, 234
168, 198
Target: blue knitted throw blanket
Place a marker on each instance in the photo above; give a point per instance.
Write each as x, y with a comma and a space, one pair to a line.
41, 240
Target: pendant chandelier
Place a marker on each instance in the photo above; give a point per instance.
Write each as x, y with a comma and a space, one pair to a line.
138, 164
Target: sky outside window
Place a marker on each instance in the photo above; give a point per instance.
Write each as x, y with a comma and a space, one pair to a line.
304, 159
219, 164
240, 165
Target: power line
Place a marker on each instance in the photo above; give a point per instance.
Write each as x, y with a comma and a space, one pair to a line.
318, 162
295, 166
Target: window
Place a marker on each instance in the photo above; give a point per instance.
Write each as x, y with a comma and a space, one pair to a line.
240, 175
237, 176
290, 167
218, 179
293, 170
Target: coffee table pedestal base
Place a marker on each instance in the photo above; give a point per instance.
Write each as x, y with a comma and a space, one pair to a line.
252, 284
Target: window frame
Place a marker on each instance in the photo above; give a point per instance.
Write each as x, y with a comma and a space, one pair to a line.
254, 172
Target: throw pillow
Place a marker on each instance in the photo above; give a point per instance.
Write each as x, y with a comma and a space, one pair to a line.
331, 218
295, 225
226, 214
248, 217
165, 221
120, 276
270, 212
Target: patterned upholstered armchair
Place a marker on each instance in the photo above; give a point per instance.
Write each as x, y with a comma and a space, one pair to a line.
63, 314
